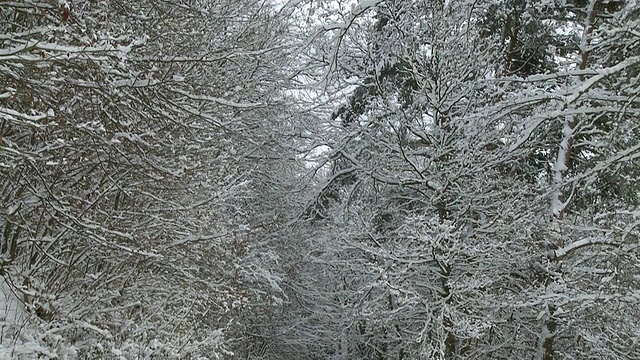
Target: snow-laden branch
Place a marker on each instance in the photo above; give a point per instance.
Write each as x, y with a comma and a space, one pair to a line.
526, 134
41, 30
537, 121
628, 154
12, 115
576, 92
219, 101
356, 11
563, 252
35, 51
571, 95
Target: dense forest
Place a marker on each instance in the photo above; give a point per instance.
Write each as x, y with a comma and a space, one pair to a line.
306, 179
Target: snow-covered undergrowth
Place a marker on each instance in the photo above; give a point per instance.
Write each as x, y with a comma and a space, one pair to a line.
24, 335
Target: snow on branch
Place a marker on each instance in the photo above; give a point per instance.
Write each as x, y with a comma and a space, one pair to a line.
561, 253
25, 119
52, 51
577, 91
218, 101
356, 11
625, 155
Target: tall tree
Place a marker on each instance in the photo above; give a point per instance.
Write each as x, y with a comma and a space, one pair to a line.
402, 226
460, 220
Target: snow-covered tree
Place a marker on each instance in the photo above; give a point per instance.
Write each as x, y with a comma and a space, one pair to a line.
444, 228
392, 179
414, 176
590, 103
121, 132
